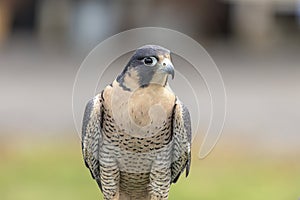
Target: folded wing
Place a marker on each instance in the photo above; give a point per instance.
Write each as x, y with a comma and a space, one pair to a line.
182, 134
92, 137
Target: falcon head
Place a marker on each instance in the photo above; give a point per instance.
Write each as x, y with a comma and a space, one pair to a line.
150, 64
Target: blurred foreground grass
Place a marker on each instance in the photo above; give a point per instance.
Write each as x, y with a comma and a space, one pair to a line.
55, 170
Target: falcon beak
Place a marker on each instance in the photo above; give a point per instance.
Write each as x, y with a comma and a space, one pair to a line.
168, 67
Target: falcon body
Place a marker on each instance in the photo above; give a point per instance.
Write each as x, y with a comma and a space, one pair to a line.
136, 134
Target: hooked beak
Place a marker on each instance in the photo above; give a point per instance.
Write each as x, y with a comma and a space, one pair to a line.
168, 67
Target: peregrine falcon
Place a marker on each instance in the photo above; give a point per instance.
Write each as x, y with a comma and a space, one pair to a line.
136, 134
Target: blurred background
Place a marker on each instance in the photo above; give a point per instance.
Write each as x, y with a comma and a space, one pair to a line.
255, 44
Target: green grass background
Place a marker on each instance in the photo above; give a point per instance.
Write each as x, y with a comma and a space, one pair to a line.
55, 170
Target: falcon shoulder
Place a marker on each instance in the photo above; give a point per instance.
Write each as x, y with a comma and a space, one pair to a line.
92, 136
182, 134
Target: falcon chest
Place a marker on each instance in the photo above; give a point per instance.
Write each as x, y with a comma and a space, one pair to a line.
141, 116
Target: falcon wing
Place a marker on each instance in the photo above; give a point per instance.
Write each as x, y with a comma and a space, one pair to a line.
182, 134
92, 136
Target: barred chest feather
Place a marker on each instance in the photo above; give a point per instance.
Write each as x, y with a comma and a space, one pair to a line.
143, 113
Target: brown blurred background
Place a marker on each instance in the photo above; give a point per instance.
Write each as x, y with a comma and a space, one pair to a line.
255, 44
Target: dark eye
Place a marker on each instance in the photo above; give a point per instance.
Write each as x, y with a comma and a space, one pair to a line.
150, 61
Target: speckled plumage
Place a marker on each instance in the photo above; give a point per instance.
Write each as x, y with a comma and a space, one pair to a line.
136, 134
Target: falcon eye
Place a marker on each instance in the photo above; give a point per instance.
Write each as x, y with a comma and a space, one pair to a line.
150, 61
